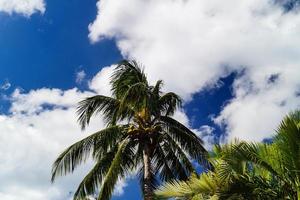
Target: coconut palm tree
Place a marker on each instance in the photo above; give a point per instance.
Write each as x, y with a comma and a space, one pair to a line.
245, 170
140, 134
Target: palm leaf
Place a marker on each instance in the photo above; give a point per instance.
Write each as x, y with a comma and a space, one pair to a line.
92, 181
81, 150
169, 102
115, 171
186, 139
126, 74
108, 106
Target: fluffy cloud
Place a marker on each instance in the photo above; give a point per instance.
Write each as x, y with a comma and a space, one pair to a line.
100, 82
24, 7
192, 44
258, 107
40, 125
30, 140
206, 133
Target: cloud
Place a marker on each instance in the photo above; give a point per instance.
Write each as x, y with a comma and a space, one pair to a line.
119, 189
41, 123
206, 133
37, 100
192, 44
80, 76
24, 7
258, 107
5, 86
100, 82
31, 138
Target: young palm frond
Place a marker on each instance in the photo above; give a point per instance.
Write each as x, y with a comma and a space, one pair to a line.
126, 74
196, 187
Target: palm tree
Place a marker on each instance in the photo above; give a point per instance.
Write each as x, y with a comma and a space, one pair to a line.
233, 178
245, 170
140, 134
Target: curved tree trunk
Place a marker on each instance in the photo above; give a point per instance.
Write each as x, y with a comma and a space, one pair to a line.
148, 189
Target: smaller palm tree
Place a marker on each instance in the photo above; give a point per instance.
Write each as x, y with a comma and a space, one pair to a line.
140, 135
232, 178
249, 170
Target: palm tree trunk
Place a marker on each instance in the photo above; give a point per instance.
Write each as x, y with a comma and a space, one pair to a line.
148, 189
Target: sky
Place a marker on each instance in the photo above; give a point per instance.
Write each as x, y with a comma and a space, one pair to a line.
235, 63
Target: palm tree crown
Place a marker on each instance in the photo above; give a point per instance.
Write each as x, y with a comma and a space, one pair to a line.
140, 134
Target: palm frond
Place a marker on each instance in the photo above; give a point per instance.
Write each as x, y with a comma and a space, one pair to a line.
92, 181
180, 154
108, 106
175, 189
134, 97
81, 150
196, 187
156, 90
169, 103
246, 152
115, 171
161, 164
288, 141
186, 139
171, 161
127, 73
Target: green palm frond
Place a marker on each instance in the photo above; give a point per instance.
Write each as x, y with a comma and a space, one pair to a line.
97, 104
248, 152
196, 187
92, 181
175, 189
161, 164
115, 171
288, 141
156, 90
80, 151
169, 102
180, 154
109, 107
134, 97
126, 74
186, 139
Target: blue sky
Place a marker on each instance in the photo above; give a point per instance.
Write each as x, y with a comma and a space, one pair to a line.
48, 55
238, 78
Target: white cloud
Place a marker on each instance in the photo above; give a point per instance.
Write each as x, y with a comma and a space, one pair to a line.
41, 124
24, 7
100, 82
259, 106
31, 140
35, 100
192, 44
119, 189
80, 76
206, 133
